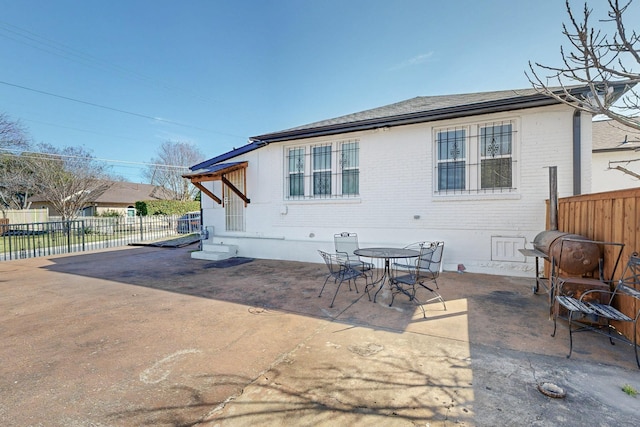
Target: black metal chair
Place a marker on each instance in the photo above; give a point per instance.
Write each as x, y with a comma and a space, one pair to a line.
431, 263
430, 260
585, 269
339, 272
345, 244
589, 313
409, 278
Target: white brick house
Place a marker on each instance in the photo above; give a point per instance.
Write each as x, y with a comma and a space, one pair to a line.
471, 170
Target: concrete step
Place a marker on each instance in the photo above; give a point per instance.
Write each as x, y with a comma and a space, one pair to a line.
211, 256
218, 247
215, 252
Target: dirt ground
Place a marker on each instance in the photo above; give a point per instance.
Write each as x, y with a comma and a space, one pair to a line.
148, 336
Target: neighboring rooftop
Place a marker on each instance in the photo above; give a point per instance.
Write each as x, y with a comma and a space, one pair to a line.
125, 192
131, 192
612, 135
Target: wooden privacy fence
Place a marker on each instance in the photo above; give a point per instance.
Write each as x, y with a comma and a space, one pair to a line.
23, 216
613, 216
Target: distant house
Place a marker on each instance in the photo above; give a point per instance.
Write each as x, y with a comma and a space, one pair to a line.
119, 197
616, 156
468, 169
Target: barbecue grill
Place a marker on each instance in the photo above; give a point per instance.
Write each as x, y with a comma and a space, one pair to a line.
573, 253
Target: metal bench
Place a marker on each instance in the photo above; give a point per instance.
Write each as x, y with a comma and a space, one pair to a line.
594, 310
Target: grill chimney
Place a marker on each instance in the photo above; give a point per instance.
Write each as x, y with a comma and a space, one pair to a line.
553, 197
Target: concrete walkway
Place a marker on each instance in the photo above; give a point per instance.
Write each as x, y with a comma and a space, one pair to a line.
148, 336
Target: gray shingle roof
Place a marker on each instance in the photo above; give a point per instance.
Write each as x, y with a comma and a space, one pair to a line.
611, 135
416, 110
130, 192
421, 104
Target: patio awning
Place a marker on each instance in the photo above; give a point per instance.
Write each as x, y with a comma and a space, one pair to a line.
218, 172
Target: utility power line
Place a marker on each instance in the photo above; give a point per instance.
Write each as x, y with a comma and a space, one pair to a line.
158, 119
45, 44
83, 130
39, 42
93, 104
34, 154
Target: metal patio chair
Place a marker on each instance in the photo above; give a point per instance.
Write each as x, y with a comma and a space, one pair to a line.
408, 264
409, 278
595, 309
575, 270
339, 272
430, 261
345, 244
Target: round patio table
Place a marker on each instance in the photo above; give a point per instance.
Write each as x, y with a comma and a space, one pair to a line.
386, 254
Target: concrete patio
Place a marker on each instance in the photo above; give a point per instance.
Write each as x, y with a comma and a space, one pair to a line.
148, 336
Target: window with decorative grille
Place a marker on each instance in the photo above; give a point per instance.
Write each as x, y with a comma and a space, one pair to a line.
475, 158
330, 170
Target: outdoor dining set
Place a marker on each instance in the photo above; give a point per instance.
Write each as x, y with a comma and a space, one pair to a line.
588, 303
406, 270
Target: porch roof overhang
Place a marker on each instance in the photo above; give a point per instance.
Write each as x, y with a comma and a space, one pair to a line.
217, 172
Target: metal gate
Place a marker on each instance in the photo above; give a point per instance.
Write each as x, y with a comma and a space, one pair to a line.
234, 205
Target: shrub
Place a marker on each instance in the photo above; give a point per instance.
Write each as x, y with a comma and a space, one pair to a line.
110, 214
166, 207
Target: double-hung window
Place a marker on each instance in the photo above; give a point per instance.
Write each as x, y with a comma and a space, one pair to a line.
452, 163
496, 168
320, 171
475, 158
350, 167
296, 172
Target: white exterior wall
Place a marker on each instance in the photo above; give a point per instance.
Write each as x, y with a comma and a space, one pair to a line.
397, 205
606, 179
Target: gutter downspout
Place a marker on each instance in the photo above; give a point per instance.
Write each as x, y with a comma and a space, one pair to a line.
577, 153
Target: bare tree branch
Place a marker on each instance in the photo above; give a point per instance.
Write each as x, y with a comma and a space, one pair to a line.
174, 159
69, 178
16, 182
626, 171
12, 133
596, 60
15, 179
